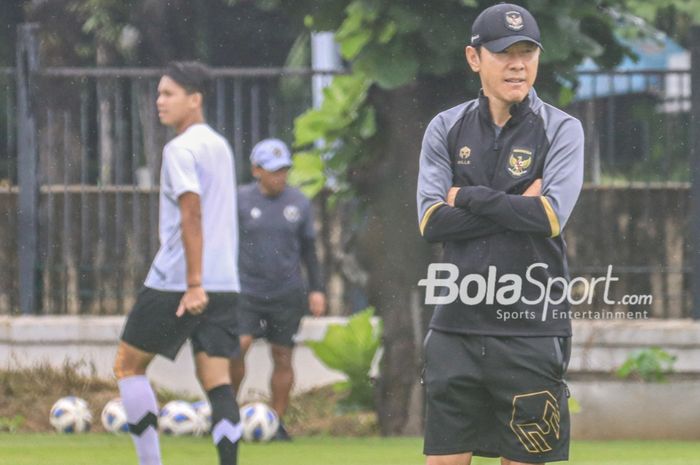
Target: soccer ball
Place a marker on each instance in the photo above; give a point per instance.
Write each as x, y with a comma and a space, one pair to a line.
114, 417
178, 418
203, 410
70, 415
259, 421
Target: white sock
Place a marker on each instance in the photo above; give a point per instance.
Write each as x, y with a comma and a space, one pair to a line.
142, 414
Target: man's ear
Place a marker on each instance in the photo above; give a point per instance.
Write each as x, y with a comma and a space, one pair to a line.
473, 58
197, 99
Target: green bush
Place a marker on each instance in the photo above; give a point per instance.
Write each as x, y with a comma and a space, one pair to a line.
11, 425
652, 364
350, 349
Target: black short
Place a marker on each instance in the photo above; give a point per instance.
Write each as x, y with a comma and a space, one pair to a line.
497, 396
153, 327
277, 320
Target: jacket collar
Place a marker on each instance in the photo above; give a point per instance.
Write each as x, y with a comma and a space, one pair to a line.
517, 112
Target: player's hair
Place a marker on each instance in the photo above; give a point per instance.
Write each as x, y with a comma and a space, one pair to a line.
193, 76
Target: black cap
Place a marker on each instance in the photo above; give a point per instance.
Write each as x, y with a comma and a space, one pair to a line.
500, 26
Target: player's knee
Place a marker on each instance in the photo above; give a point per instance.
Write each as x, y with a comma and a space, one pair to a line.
210, 380
245, 343
282, 357
212, 371
127, 363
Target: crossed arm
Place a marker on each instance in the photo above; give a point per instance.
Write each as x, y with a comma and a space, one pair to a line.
447, 212
456, 220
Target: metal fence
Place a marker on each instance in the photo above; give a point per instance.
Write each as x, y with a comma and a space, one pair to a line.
8, 130
98, 145
637, 125
634, 212
98, 148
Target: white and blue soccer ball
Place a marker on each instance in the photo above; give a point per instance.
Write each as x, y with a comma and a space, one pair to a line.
259, 422
114, 417
203, 410
178, 418
70, 415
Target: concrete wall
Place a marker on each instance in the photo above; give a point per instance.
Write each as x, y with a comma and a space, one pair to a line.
610, 408
615, 409
25, 341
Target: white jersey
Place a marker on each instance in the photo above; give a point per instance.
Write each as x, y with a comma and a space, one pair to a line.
201, 161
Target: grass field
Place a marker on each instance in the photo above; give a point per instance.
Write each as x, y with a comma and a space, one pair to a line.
104, 449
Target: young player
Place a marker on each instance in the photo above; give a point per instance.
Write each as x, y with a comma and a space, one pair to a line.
499, 177
277, 235
191, 288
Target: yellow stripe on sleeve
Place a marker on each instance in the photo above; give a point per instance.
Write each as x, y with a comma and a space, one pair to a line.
427, 214
551, 216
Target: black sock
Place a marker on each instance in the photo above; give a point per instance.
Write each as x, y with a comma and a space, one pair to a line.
226, 428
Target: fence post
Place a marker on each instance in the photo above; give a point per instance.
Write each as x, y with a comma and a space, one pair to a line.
27, 154
695, 164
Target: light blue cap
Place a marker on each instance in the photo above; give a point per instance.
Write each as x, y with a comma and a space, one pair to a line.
271, 155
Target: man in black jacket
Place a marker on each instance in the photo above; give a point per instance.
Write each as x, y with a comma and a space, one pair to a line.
499, 177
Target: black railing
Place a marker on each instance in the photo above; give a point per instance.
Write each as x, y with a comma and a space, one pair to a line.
637, 125
98, 145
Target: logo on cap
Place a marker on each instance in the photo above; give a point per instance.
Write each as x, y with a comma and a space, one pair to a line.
277, 152
514, 20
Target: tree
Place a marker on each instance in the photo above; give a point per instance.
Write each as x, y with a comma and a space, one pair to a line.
674, 17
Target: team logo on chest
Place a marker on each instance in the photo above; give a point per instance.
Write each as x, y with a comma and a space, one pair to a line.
463, 156
291, 213
519, 162
514, 20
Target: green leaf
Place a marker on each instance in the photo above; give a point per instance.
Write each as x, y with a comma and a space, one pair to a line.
387, 33
352, 44
309, 21
339, 110
391, 66
309, 127
574, 405
368, 123
350, 348
405, 18
307, 173
650, 364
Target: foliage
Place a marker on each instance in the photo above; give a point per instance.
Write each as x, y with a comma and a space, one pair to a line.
674, 17
315, 412
11, 424
651, 365
340, 125
574, 405
350, 348
650, 9
389, 45
103, 18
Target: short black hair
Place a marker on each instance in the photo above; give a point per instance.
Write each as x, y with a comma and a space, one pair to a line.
193, 76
